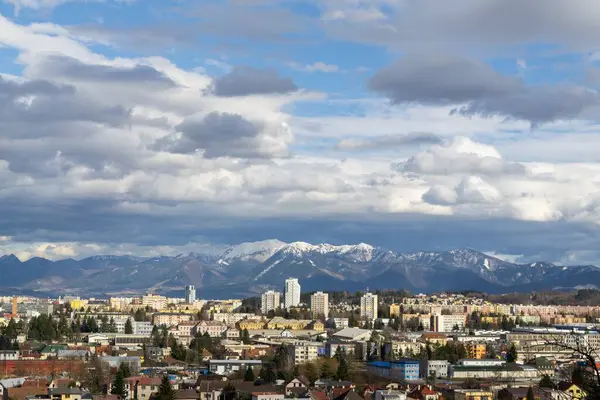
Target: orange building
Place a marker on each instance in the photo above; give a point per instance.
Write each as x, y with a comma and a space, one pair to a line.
476, 350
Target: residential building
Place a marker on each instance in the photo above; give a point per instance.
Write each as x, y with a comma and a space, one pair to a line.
153, 301
319, 305
573, 391
190, 294
303, 352
291, 293
369, 306
476, 350
348, 348
394, 310
337, 323
231, 318
227, 367
434, 368
213, 328
397, 349
170, 319
6, 355
252, 324
270, 301
447, 323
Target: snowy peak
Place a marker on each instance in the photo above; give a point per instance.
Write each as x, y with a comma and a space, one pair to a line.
360, 252
252, 251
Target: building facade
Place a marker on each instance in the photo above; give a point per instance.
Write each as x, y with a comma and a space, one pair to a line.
291, 293
369, 306
270, 301
190, 294
319, 305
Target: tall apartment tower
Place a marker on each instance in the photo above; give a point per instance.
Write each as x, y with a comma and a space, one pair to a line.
368, 306
15, 306
292, 292
270, 301
190, 294
319, 305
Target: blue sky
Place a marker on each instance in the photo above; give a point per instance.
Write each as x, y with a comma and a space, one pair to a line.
148, 127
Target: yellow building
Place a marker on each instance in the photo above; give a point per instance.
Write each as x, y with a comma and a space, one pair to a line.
293, 324
475, 350
573, 391
394, 310
78, 304
472, 394
251, 324
317, 326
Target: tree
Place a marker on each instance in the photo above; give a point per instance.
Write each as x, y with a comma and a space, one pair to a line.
128, 327
546, 382
249, 375
490, 351
530, 395
577, 376
511, 354
165, 390
267, 373
343, 372
311, 372
125, 369
245, 336
327, 369
118, 385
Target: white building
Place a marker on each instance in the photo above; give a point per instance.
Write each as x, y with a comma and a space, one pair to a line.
270, 301
292, 292
319, 304
190, 294
368, 306
447, 323
303, 352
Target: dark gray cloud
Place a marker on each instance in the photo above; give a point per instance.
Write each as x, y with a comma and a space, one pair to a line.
245, 81
217, 135
489, 26
477, 89
389, 141
74, 69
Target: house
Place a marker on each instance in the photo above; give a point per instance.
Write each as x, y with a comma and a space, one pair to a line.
574, 391
330, 384
68, 393
6, 355
424, 392
297, 387
473, 394
232, 333
390, 395
267, 396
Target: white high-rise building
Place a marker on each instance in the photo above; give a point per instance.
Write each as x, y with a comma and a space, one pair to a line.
292, 292
319, 304
270, 301
190, 294
368, 306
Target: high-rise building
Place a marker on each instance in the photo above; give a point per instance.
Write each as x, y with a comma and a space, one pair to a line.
292, 292
368, 306
447, 323
190, 294
270, 301
319, 304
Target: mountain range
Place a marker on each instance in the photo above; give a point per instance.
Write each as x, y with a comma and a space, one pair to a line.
250, 268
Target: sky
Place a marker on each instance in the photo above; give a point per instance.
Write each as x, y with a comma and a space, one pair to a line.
152, 127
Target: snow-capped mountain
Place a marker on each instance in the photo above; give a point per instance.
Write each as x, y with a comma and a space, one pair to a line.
249, 268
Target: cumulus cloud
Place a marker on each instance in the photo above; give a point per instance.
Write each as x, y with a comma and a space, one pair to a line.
225, 134
247, 81
476, 89
388, 141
